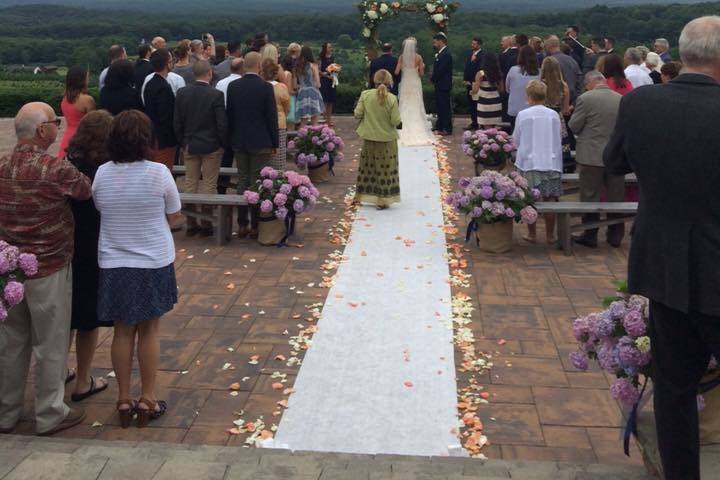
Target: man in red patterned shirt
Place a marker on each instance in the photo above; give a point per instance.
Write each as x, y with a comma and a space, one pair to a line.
35, 216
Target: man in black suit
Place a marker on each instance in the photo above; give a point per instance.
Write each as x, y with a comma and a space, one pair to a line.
508, 59
578, 49
675, 249
442, 79
201, 127
388, 62
253, 118
160, 107
142, 65
473, 65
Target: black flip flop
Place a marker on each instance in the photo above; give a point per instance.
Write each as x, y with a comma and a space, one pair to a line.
71, 374
79, 397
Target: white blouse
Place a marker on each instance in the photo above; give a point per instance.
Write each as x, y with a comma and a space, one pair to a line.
539, 140
133, 200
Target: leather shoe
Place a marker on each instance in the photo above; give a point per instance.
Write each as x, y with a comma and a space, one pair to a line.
74, 417
253, 234
585, 242
243, 231
444, 134
9, 429
614, 244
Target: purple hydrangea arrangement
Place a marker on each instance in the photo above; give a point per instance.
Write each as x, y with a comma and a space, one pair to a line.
282, 194
617, 339
15, 268
490, 148
493, 197
316, 145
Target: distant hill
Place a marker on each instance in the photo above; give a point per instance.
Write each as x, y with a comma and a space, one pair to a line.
255, 7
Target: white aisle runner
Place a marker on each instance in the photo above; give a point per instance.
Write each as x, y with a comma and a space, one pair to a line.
380, 375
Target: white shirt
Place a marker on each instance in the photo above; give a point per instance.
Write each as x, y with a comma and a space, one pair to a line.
133, 199
539, 140
223, 84
101, 78
176, 83
637, 76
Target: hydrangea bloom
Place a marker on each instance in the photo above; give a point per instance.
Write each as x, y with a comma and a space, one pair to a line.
579, 360
625, 392
266, 206
251, 197
14, 293
634, 323
28, 264
298, 206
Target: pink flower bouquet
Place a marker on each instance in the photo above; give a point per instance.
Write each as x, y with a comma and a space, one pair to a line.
15, 268
493, 197
282, 194
490, 148
315, 146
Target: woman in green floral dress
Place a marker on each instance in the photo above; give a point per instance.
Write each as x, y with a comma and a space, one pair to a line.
378, 179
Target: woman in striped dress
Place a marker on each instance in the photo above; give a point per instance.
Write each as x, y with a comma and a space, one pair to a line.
487, 88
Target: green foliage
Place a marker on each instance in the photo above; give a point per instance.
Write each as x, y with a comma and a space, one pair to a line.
16, 92
622, 290
65, 36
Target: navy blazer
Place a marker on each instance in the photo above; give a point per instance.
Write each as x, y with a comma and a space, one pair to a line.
160, 107
473, 67
252, 114
389, 63
442, 71
675, 249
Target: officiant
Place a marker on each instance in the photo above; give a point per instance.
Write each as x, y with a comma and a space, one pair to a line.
388, 62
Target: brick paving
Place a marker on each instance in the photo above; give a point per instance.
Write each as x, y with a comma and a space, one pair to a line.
540, 408
29, 458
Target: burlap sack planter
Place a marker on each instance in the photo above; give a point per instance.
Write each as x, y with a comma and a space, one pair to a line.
319, 173
495, 237
503, 168
271, 230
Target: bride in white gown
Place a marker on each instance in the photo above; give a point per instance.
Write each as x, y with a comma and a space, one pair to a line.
416, 128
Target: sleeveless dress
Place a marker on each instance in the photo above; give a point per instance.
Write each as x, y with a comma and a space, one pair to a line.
489, 104
309, 101
72, 120
416, 128
326, 84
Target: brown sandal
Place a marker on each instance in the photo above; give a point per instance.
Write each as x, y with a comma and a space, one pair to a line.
154, 411
126, 414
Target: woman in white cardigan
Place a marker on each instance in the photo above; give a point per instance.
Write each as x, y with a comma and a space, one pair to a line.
539, 156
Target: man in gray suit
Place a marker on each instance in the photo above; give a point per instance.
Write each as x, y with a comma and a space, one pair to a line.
593, 122
223, 69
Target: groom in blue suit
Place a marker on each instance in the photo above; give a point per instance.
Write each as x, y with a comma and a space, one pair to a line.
442, 79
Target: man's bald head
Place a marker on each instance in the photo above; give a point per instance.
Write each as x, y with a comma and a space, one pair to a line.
158, 43
32, 123
252, 62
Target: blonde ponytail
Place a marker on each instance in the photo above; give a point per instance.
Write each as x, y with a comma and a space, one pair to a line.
382, 93
383, 80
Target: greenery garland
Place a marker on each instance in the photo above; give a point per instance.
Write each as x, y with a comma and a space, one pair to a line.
375, 12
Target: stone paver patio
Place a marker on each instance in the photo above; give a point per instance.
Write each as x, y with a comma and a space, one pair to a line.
540, 408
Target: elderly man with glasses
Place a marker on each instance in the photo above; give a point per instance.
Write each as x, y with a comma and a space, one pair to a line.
35, 217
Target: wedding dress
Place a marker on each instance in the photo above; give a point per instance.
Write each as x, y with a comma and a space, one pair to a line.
416, 128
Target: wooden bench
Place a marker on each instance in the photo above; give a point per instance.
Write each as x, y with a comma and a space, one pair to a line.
575, 178
222, 216
224, 171
564, 211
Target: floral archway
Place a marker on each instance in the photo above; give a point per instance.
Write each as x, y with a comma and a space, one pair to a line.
375, 12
